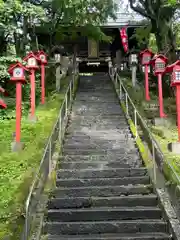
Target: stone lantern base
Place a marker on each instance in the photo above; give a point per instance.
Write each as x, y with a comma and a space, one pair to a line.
174, 147
17, 146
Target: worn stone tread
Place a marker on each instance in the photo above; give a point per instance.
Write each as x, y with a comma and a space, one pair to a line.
102, 191
104, 214
95, 227
86, 202
129, 158
134, 236
103, 172
71, 182
92, 164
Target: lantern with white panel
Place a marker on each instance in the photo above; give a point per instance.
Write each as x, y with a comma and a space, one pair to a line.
174, 69
17, 72
43, 61
159, 65
133, 63
176, 75
133, 59
42, 56
32, 64
57, 57
32, 61
146, 56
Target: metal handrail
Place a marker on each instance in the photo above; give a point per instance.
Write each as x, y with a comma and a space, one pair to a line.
116, 78
48, 150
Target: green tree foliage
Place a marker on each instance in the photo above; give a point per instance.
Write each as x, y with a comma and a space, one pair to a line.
20, 18
161, 15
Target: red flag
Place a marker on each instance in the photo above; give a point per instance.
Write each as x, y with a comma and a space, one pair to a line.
124, 38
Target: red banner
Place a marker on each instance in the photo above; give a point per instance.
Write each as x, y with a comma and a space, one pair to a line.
124, 38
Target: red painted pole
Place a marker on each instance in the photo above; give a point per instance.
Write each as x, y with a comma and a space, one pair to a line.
178, 109
161, 107
33, 93
147, 83
42, 83
18, 111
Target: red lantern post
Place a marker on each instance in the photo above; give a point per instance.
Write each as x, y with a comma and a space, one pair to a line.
2, 103
43, 61
159, 63
18, 77
175, 82
32, 65
146, 56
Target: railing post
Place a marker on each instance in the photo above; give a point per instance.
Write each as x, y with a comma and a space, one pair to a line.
120, 90
116, 77
60, 128
50, 155
127, 106
135, 122
65, 106
26, 227
154, 163
70, 92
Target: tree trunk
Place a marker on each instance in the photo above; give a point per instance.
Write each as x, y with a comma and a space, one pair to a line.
165, 39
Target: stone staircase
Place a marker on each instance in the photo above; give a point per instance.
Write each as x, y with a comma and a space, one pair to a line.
103, 190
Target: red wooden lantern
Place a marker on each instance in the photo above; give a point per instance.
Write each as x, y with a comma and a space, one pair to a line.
32, 64
17, 72
159, 64
2, 104
174, 69
43, 61
146, 56
3, 91
32, 61
42, 56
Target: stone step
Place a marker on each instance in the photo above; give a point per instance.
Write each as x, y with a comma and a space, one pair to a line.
92, 112
92, 99
124, 158
96, 87
100, 115
92, 164
97, 134
92, 141
92, 106
103, 172
97, 91
90, 119
97, 94
102, 191
100, 123
118, 201
113, 117
103, 214
70, 151
102, 181
125, 226
98, 127
87, 147
115, 236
